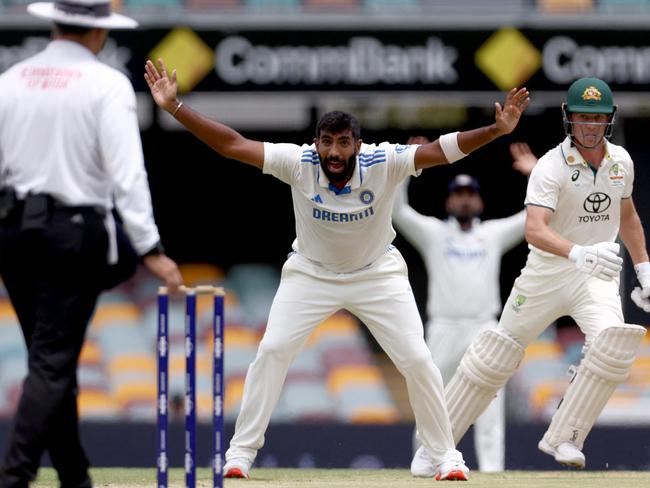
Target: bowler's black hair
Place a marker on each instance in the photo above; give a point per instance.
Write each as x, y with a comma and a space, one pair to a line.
337, 122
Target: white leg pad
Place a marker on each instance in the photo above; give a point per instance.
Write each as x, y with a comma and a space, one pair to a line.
606, 364
486, 366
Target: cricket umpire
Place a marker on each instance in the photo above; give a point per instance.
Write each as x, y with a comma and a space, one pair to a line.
70, 151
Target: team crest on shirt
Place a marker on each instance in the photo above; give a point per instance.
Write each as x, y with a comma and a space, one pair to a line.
367, 197
615, 176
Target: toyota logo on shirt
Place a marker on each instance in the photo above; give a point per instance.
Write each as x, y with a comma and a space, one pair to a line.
597, 202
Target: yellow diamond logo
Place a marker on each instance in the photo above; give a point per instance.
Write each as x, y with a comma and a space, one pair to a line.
508, 58
185, 52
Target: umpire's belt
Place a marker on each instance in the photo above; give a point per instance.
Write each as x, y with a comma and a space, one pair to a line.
34, 211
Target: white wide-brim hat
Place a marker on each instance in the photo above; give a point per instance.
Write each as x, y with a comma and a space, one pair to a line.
82, 13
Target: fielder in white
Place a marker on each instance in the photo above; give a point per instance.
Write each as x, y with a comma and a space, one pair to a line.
462, 256
342, 194
579, 200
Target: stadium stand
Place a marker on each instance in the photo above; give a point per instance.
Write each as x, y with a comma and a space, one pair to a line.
335, 377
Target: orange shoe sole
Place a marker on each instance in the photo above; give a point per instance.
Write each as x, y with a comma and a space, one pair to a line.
454, 475
235, 473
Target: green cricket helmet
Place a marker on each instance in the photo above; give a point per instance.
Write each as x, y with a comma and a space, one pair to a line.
590, 96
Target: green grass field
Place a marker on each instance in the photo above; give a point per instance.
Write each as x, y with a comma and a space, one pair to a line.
348, 478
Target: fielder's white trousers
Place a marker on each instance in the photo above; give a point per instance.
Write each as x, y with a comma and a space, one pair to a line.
448, 339
379, 295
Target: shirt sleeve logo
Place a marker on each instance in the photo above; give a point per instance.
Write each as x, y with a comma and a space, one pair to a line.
367, 197
400, 148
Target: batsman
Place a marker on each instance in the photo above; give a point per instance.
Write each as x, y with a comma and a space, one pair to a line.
578, 201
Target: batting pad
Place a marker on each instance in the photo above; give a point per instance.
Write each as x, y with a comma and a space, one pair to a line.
486, 366
606, 364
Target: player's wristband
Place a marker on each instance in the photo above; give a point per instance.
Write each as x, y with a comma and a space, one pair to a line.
449, 145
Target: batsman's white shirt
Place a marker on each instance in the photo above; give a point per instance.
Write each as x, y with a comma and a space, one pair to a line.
463, 266
586, 210
586, 206
342, 230
88, 137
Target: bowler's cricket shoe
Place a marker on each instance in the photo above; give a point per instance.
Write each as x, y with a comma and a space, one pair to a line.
237, 468
452, 471
423, 466
565, 453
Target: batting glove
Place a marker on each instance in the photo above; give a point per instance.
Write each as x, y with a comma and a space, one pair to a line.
641, 293
600, 260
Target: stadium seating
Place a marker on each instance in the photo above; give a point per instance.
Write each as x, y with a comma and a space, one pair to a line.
333, 379
565, 6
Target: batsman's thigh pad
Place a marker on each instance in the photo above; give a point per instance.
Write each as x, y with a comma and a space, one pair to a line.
606, 364
486, 366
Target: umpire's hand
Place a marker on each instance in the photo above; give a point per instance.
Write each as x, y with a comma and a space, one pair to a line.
165, 269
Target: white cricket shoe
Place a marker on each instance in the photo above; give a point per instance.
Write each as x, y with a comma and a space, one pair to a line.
422, 466
565, 453
452, 471
237, 468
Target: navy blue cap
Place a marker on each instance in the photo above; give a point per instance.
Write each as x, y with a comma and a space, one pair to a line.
464, 181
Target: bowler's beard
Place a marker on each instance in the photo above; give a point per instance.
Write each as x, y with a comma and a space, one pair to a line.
344, 175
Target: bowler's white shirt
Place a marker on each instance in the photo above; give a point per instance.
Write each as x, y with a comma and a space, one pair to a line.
463, 266
69, 128
586, 206
347, 231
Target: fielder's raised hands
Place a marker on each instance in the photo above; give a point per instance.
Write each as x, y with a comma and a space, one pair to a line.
163, 86
523, 159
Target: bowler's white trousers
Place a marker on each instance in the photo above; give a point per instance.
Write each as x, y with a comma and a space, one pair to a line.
380, 296
448, 339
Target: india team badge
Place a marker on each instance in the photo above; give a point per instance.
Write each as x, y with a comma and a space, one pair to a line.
367, 197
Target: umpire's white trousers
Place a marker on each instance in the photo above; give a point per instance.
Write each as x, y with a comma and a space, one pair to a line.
448, 339
379, 295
